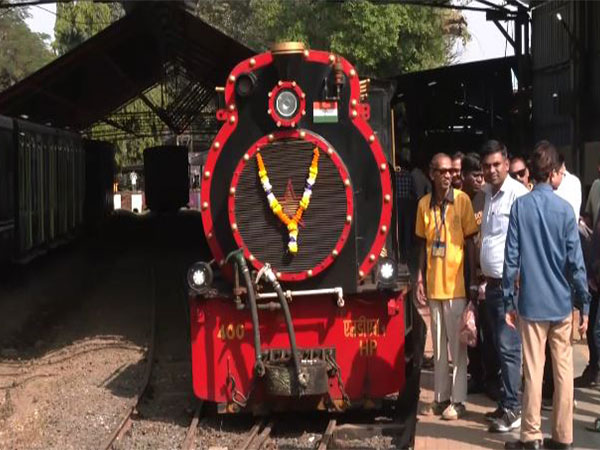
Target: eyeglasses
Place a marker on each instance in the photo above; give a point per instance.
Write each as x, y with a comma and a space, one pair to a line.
519, 173
475, 174
445, 171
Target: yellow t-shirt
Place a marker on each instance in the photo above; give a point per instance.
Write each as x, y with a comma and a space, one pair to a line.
445, 275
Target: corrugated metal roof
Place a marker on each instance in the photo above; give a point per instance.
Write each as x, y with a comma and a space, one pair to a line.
113, 67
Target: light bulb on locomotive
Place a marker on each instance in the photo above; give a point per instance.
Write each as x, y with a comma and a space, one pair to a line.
286, 104
199, 277
386, 272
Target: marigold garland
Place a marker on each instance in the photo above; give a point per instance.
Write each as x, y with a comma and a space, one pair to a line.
291, 224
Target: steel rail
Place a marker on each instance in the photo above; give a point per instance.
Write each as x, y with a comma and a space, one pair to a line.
327, 435
126, 422
189, 443
256, 439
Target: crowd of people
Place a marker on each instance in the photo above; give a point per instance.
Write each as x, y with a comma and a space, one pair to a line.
506, 239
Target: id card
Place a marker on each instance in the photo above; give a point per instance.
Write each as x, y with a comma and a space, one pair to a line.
438, 249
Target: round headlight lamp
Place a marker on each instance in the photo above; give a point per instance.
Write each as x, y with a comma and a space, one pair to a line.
200, 277
286, 104
387, 272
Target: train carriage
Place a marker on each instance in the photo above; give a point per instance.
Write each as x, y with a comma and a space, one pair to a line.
43, 186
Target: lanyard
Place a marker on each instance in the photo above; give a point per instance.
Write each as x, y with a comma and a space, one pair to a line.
438, 229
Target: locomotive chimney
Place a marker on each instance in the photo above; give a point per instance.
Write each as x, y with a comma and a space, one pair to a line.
287, 57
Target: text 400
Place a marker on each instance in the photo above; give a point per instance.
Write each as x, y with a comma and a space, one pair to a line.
231, 331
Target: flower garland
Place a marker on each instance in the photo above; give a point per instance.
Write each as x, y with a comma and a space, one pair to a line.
291, 224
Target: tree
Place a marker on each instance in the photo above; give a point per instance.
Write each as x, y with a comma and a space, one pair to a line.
380, 39
22, 51
76, 22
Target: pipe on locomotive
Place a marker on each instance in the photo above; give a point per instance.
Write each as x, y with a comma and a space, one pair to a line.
269, 275
238, 256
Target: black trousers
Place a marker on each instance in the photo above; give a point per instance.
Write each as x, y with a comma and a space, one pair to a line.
484, 365
591, 341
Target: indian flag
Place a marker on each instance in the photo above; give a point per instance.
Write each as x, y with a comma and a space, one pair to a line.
325, 112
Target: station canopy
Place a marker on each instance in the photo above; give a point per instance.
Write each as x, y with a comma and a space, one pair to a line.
155, 44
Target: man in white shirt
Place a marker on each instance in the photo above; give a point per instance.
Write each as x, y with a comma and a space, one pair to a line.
500, 193
570, 189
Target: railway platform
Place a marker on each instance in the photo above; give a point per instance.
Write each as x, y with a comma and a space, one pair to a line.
471, 431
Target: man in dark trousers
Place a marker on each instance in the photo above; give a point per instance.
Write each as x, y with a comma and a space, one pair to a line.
484, 370
501, 191
543, 251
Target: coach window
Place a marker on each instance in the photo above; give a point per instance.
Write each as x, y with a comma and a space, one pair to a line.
6, 177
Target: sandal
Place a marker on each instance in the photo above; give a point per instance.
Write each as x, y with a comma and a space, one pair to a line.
595, 427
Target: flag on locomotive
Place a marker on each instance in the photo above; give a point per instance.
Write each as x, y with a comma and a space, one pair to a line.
302, 306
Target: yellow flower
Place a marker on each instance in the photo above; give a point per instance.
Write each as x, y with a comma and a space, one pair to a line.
291, 224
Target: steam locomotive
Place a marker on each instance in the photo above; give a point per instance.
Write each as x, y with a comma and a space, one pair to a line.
304, 305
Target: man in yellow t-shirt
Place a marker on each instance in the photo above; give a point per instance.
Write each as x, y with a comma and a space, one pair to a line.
445, 226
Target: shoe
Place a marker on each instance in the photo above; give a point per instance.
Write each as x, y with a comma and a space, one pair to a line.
509, 421
552, 444
513, 445
454, 412
495, 414
589, 377
427, 363
435, 408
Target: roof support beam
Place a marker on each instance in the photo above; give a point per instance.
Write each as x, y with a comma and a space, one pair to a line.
70, 104
119, 126
155, 109
505, 33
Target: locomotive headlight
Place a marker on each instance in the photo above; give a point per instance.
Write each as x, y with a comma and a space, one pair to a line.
286, 104
387, 272
199, 277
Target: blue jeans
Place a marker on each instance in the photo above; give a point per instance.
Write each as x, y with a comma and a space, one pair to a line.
508, 346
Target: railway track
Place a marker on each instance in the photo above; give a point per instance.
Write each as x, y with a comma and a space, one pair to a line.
166, 385
127, 420
261, 436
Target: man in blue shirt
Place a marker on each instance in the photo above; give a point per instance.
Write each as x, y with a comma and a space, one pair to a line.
543, 251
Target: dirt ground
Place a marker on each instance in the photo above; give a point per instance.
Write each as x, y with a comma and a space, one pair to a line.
74, 332
71, 368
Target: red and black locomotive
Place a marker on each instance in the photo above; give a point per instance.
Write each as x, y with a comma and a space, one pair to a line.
306, 305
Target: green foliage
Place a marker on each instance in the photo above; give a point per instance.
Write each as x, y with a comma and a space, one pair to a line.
21, 51
137, 117
75, 23
380, 39
78, 21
